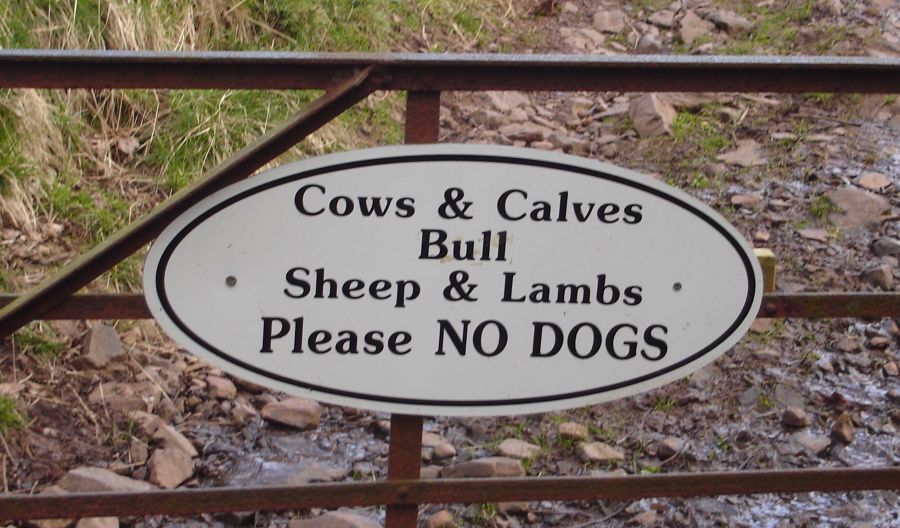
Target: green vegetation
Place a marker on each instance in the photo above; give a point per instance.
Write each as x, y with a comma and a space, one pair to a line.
95, 160
821, 206
38, 340
663, 404
777, 27
9, 414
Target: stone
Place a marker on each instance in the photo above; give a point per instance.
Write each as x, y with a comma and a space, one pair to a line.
445, 450
767, 354
335, 519
147, 423
87, 479
816, 235
441, 519
98, 522
600, 452
795, 417
507, 100
646, 519
669, 447
651, 115
587, 39
729, 21
517, 115
243, 412
572, 431
890, 369
512, 508
485, 467
527, 132
298, 413
873, 181
220, 388
880, 276
611, 21
126, 397
842, 430
169, 438
748, 154
815, 444
430, 472
170, 467
515, 448
691, 27
649, 43
316, 473
761, 325
138, 452
859, 208
101, 347
848, 345
886, 247
747, 201
565, 142
488, 118
664, 18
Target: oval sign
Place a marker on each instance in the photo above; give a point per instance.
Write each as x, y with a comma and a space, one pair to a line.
453, 280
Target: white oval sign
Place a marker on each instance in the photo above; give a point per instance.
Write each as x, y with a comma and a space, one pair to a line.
453, 280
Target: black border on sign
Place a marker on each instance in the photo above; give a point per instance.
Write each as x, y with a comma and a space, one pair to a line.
481, 158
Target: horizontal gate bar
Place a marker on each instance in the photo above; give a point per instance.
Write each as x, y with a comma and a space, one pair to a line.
461, 491
777, 305
424, 72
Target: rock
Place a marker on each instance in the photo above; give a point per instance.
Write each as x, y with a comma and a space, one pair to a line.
848, 345
584, 39
430, 472
729, 21
515, 448
748, 154
669, 447
441, 519
612, 21
745, 200
527, 132
565, 142
651, 115
873, 181
795, 417
817, 235
138, 452
294, 412
485, 467
507, 100
860, 208
335, 519
572, 431
126, 397
98, 522
880, 276
102, 346
316, 473
517, 115
600, 452
221, 388
886, 247
88, 479
646, 519
147, 423
649, 43
692, 27
767, 354
488, 118
761, 325
169, 438
243, 412
512, 508
890, 369
842, 430
664, 18
170, 467
815, 444
445, 450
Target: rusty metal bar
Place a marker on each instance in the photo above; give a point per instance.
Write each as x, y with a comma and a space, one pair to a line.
429, 72
405, 452
778, 305
460, 491
119, 246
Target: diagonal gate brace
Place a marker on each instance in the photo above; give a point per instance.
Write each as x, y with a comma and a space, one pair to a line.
119, 246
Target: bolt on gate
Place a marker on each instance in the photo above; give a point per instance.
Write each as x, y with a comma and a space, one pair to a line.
347, 79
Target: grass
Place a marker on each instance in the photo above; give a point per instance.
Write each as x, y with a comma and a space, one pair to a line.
38, 340
86, 158
9, 415
821, 206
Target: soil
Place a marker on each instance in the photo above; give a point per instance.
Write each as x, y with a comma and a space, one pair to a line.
728, 415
